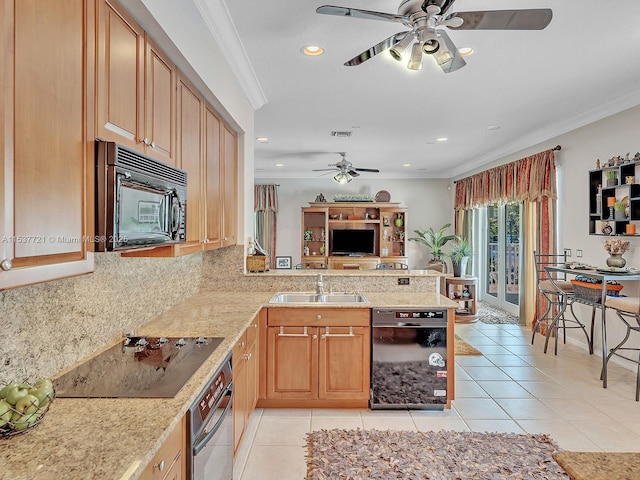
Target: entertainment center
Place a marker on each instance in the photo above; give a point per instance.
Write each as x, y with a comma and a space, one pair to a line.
352, 235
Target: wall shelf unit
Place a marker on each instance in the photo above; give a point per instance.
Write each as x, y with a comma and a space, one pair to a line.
603, 189
320, 219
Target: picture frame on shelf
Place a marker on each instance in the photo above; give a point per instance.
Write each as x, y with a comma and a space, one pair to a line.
283, 263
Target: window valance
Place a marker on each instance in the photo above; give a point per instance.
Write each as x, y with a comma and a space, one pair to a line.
528, 179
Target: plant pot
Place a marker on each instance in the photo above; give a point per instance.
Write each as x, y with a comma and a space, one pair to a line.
619, 215
437, 265
460, 269
612, 182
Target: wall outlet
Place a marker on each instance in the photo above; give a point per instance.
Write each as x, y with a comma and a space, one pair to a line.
403, 281
567, 252
579, 253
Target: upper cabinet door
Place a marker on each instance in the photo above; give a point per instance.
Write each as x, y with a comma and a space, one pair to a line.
46, 139
230, 179
160, 94
213, 179
121, 52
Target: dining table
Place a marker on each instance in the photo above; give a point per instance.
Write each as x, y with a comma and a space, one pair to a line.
604, 275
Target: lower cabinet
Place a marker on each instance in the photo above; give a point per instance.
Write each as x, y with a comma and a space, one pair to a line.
245, 381
317, 357
170, 461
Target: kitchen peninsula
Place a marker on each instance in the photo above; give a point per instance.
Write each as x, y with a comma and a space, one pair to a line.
118, 438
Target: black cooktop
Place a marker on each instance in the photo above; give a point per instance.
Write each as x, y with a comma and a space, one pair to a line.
138, 367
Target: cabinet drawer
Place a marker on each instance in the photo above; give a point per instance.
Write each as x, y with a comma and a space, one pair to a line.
169, 453
319, 316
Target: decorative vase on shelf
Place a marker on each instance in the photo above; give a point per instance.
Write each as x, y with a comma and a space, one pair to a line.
616, 260
322, 249
399, 221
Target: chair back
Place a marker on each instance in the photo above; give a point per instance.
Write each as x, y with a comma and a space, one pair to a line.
542, 260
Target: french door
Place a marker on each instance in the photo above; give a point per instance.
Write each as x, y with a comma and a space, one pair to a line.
501, 244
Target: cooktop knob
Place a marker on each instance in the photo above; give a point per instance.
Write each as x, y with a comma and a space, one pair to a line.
181, 343
200, 340
163, 340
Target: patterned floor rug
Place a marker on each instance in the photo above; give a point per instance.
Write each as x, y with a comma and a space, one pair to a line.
463, 348
444, 455
490, 314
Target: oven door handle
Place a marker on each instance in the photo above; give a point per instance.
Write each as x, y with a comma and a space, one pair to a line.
202, 442
410, 325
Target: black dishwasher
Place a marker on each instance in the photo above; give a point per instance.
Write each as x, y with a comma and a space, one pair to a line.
408, 358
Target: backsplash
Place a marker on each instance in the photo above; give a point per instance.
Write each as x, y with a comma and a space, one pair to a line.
48, 327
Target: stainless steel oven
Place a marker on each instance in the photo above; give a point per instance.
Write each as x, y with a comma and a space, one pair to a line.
408, 358
211, 429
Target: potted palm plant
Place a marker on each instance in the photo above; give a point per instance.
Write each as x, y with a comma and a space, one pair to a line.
434, 240
459, 253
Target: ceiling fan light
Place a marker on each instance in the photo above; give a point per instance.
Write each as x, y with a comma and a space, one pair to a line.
342, 178
431, 46
399, 48
415, 62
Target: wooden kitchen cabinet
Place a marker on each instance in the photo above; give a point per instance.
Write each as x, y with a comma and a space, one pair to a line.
46, 139
136, 86
317, 357
245, 380
170, 461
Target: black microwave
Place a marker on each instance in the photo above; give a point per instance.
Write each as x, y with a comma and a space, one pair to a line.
140, 202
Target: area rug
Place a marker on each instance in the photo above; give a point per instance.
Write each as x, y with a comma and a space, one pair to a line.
463, 348
444, 455
489, 314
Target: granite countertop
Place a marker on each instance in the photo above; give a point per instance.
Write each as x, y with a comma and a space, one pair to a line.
115, 438
599, 465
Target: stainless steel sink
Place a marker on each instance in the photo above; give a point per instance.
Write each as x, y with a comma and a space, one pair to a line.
309, 297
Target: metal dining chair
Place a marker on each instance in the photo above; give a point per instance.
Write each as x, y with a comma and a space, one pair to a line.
557, 292
626, 308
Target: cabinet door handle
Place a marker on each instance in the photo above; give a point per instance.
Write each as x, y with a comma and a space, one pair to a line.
303, 334
6, 265
327, 334
159, 466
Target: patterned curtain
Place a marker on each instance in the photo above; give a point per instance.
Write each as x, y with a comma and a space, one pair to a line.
265, 207
531, 180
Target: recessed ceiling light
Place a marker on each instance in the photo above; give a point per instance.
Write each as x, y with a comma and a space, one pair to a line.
262, 139
466, 51
279, 164
492, 127
312, 50
442, 139
406, 164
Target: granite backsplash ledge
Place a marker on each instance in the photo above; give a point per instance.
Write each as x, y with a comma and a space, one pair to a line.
48, 327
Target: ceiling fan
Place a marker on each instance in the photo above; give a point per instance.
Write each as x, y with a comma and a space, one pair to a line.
423, 17
346, 170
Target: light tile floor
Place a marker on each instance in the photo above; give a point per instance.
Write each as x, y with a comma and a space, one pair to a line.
513, 387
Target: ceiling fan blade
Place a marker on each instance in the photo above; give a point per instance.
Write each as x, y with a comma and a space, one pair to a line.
325, 170
357, 13
373, 170
528, 19
444, 5
456, 62
386, 44
353, 173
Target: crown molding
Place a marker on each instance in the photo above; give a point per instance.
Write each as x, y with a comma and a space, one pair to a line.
220, 24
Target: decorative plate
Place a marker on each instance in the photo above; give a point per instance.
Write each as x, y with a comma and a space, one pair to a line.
383, 196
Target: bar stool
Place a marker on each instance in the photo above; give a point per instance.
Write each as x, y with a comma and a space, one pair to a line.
626, 308
558, 293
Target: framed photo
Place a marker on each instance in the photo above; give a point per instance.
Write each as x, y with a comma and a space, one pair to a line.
283, 262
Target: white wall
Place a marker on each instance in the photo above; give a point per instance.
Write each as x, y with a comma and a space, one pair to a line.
428, 202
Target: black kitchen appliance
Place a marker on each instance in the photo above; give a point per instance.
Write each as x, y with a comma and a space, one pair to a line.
408, 358
140, 202
138, 367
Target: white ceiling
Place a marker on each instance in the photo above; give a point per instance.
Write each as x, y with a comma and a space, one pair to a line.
534, 85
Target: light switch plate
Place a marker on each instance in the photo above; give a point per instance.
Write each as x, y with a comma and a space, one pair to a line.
567, 252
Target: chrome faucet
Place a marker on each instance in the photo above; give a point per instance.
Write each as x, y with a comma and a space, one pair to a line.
319, 285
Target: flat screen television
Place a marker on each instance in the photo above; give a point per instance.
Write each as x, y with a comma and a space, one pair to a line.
352, 242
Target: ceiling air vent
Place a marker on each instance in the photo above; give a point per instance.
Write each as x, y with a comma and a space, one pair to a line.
341, 134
